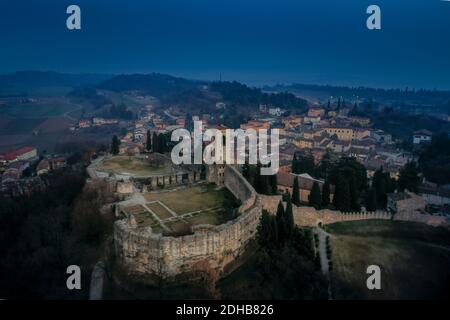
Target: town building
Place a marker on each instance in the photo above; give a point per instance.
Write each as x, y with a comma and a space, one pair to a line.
422, 136
43, 167
316, 112
342, 133
24, 153
305, 182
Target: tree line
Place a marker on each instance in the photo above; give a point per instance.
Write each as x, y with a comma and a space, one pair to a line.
349, 179
263, 184
41, 234
286, 264
154, 143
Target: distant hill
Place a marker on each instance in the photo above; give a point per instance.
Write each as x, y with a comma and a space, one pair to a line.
26, 79
423, 96
154, 84
241, 94
191, 92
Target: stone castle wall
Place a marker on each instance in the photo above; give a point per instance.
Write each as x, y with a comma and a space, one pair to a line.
310, 217
143, 253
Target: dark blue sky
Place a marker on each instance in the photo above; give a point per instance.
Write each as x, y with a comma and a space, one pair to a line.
255, 41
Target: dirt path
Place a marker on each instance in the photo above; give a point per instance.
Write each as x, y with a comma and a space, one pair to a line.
97, 279
323, 250
323, 255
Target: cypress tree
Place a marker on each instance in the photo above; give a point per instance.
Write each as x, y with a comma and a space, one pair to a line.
409, 177
258, 183
315, 197
295, 164
161, 143
354, 194
188, 123
148, 144
155, 142
342, 198
296, 193
115, 145
273, 184
379, 184
281, 223
264, 183
289, 217
264, 232
371, 201
275, 238
326, 193
246, 170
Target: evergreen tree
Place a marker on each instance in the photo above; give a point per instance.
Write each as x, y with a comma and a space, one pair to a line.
315, 198
161, 143
286, 195
115, 145
409, 177
295, 164
188, 123
354, 194
296, 193
379, 184
371, 201
264, 184
148, 144
289, 217
342, 198
304, 163
265, 234
281, 223
326, 193
155, 142
258, 183
339, 104
273, 184
326, 164
275, 238
246, 170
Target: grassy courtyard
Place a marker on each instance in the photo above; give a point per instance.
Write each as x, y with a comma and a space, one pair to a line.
414, 259
206, 203
190, 199
133, 166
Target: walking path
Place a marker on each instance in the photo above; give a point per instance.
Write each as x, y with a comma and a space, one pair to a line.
322, 250
155, 216
97, 278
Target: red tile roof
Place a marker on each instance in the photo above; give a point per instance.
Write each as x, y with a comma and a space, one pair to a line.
12, 155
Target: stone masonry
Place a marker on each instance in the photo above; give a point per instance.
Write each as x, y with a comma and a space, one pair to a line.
142, 253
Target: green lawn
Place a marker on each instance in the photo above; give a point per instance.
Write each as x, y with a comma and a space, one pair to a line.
414, 259
160, 211
190, 199
134, 166
205, 197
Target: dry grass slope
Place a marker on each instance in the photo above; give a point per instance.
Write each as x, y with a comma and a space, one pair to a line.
414, 259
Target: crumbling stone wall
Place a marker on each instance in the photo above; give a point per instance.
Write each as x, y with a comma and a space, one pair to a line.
210, 248
310, 217
125, 187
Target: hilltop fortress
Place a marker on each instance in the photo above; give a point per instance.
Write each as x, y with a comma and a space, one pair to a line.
181, 232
